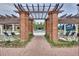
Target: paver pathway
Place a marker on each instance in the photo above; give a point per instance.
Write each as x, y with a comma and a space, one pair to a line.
39, 47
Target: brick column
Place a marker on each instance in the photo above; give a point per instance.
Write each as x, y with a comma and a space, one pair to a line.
31, 25
50, 25
53, 17
55, 26
24, 26
46, 26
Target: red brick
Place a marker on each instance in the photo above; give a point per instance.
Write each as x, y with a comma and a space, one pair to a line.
24, 25
53, 17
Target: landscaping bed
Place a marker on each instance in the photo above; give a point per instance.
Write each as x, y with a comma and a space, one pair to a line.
16, 43
61, 43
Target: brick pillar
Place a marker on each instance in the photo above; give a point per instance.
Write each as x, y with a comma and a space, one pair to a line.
24, 26
55, 26
50, 25
46, 26
53, 22
31, 25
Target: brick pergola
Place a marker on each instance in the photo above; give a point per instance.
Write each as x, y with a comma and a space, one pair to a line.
50, 15
26, 24
52, 22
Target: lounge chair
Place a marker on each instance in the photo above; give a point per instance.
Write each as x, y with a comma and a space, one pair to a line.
72, 37
72, 34
6, 34
67, 33
12, 33
64, 36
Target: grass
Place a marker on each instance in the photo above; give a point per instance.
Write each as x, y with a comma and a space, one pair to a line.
16, 43
61, 43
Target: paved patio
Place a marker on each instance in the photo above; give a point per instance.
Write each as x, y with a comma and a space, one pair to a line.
39, 47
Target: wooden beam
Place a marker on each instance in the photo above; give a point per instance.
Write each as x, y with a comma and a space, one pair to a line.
28, 10
69, 16
38, 9
48, 10
43, 9
33, 10
14, 16
20, 7
8, 16
63, 16
60, 7
55, 7
17, 7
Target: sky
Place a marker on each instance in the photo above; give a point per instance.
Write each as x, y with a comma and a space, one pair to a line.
8, 8
69, 8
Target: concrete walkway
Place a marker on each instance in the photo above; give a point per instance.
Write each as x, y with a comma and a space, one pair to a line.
39, 47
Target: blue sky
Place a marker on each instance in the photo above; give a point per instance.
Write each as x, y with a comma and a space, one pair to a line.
8, 9
69, 9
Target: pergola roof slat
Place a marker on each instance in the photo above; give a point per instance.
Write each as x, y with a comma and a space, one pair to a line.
48, 10
60, 7
43, 10
69, 16
14, 16
39, 13
8, 16
63, 16
28, 9
20, 7
55, 7
17, 7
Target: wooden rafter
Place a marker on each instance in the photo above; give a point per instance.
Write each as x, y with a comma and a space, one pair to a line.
60, 7
69, 16
60, 11
22, 7
2, 17
14, 16
43, 9
28, 9
19, 5
63, 16
17, 8
34, 10
8, 16
48, 10
38, 9
55, 7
